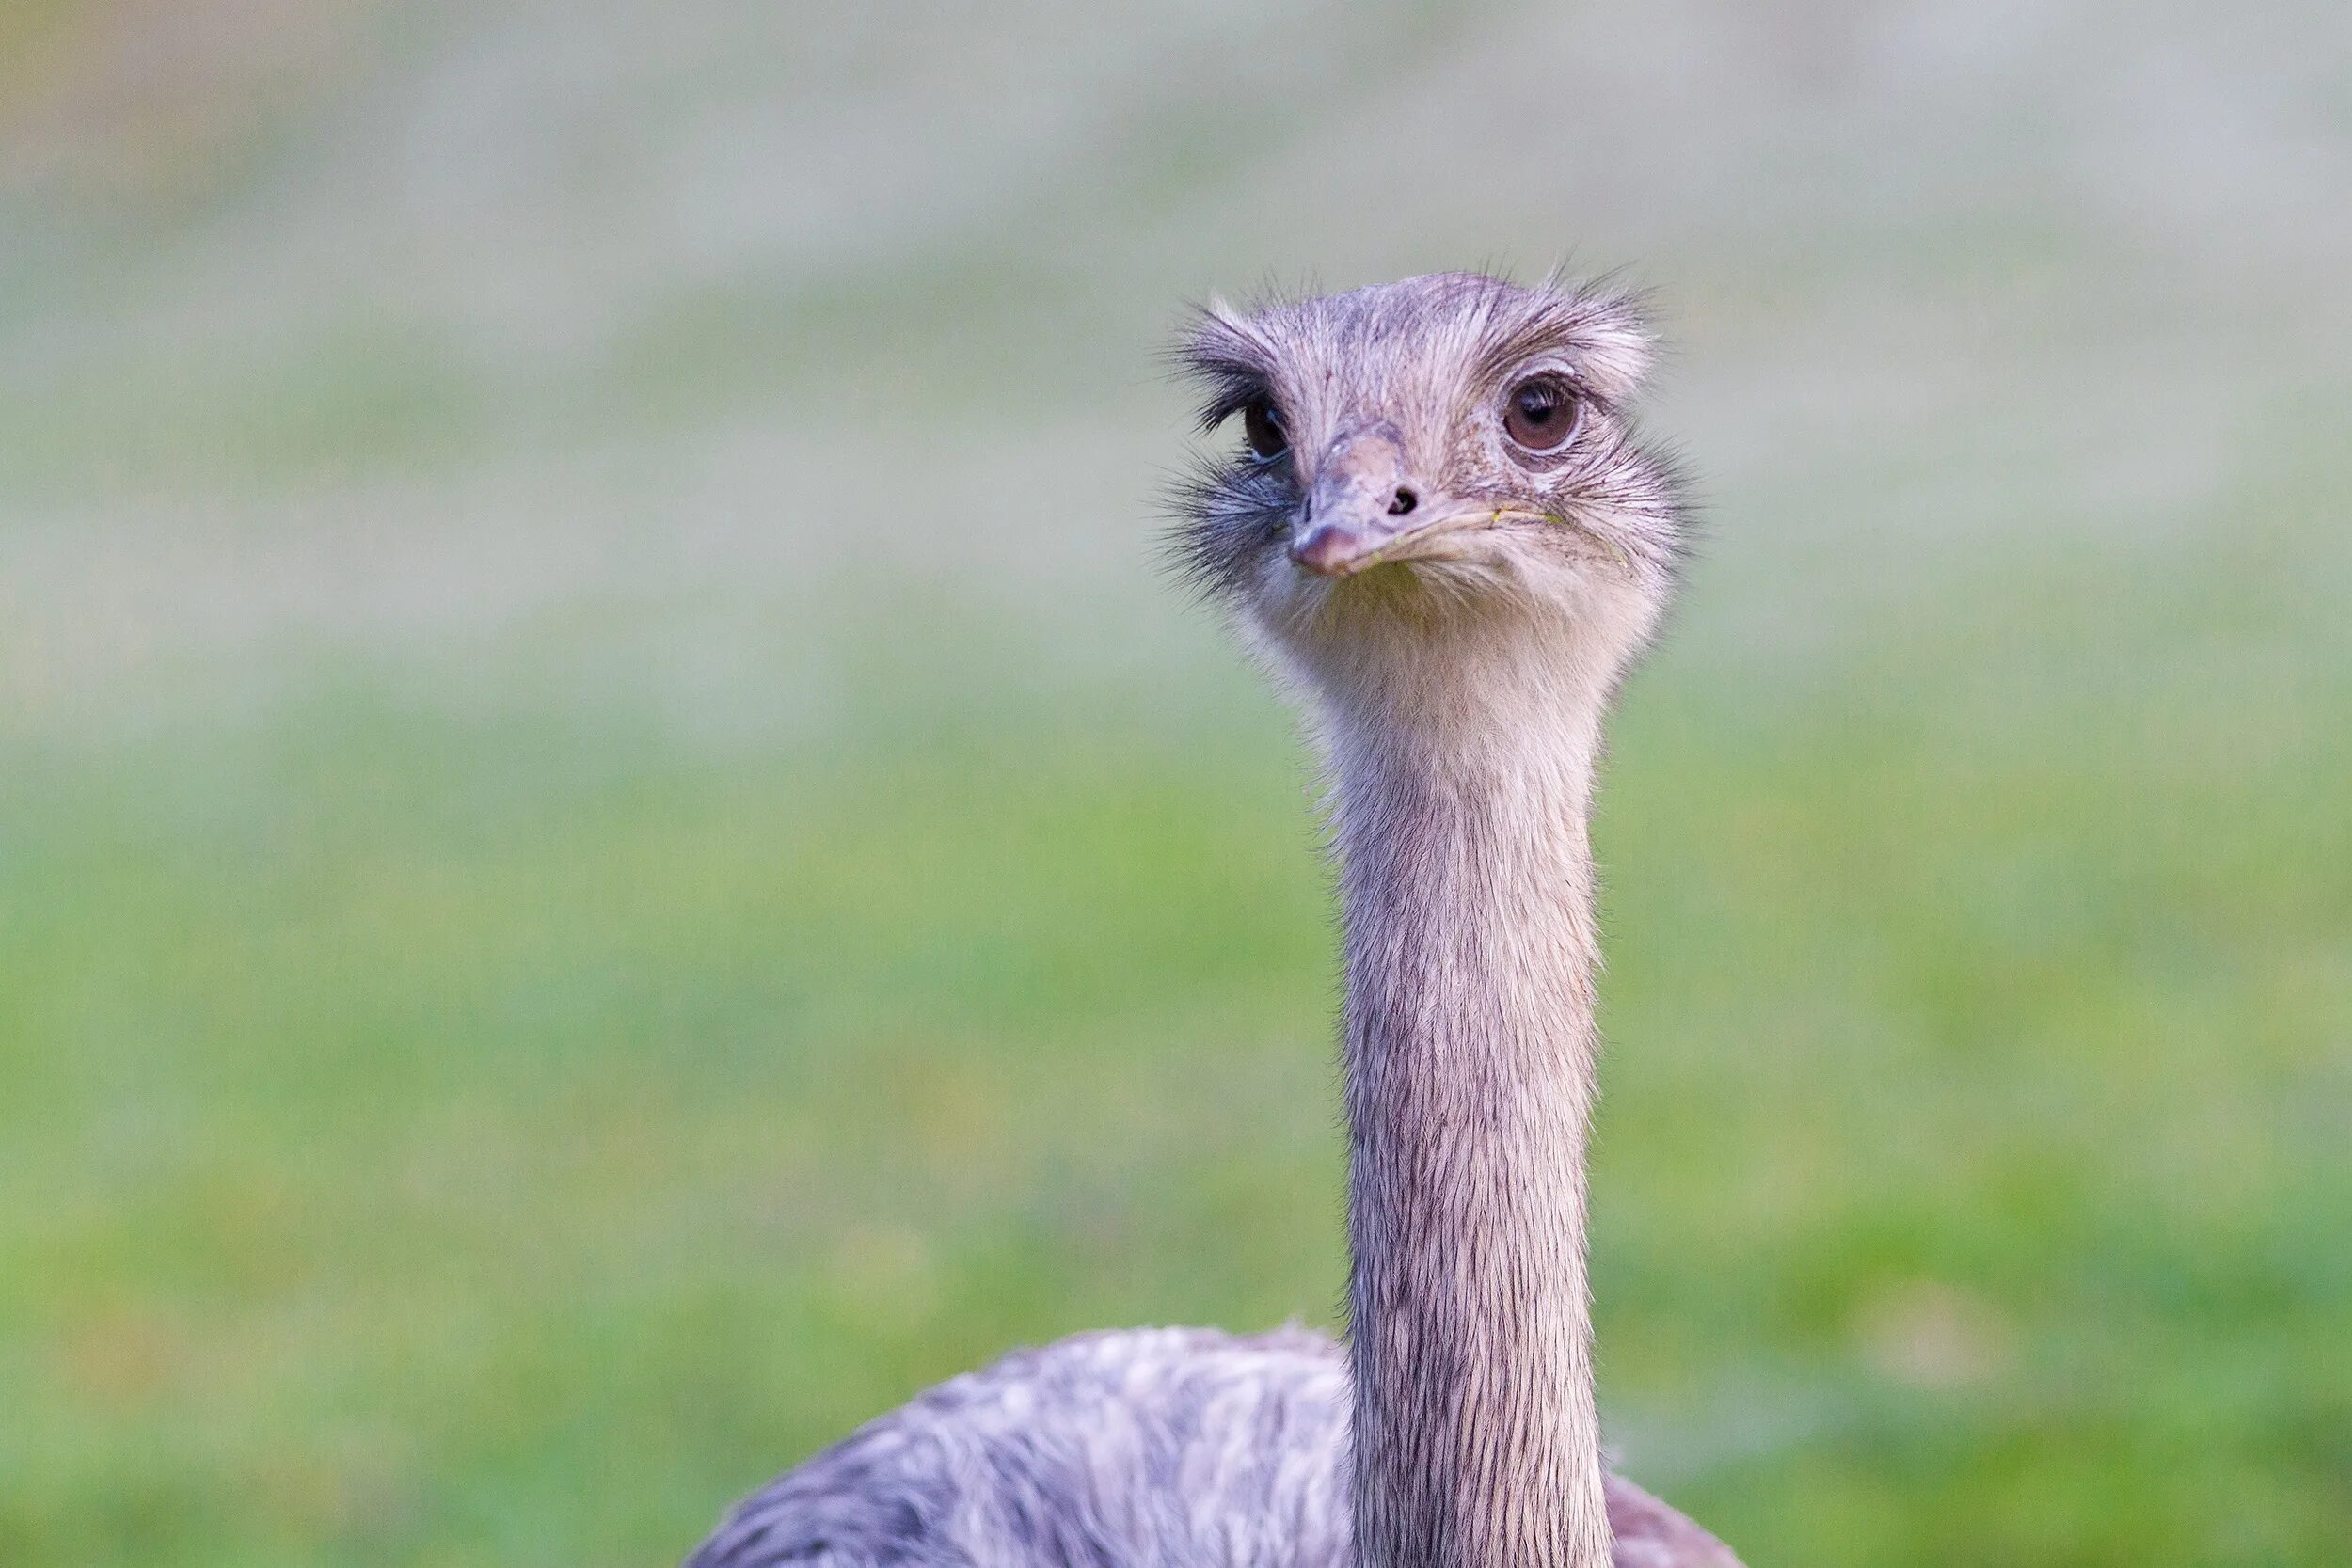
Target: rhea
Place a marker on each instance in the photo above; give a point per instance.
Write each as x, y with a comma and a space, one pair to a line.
1441, 532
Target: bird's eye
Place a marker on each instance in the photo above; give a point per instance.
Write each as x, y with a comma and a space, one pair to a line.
1262, 427
1540, 413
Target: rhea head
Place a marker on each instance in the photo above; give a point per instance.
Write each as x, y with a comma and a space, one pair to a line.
1437, 499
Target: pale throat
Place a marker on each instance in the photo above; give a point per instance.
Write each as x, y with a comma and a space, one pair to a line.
1467, 888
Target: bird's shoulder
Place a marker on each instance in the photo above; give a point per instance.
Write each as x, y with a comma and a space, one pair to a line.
1131, 1447
1119, 1449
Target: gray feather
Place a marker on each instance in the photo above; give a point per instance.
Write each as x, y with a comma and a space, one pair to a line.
1168, 1448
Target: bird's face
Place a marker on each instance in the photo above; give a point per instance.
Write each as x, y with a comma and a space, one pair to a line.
1426, 465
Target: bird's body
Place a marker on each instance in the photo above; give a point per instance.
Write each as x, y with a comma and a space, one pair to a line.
1443, 537
1156, 1448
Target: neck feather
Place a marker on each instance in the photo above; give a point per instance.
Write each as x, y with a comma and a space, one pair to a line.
1466, 880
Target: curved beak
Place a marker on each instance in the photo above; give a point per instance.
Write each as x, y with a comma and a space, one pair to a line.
1363, 509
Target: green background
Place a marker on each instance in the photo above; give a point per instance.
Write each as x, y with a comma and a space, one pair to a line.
613, 854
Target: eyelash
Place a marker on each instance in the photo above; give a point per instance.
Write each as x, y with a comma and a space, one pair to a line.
1231, 402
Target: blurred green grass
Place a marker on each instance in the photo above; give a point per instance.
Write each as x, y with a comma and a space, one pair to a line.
610, 858
436, 1140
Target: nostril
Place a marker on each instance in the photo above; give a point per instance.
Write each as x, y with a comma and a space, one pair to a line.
1406, 501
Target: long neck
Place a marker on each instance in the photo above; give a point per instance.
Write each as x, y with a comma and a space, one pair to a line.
1466, 880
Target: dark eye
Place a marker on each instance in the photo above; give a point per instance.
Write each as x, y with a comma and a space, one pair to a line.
1262, 427
1540, 413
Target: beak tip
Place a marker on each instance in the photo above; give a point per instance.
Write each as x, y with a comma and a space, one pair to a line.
1330, 552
